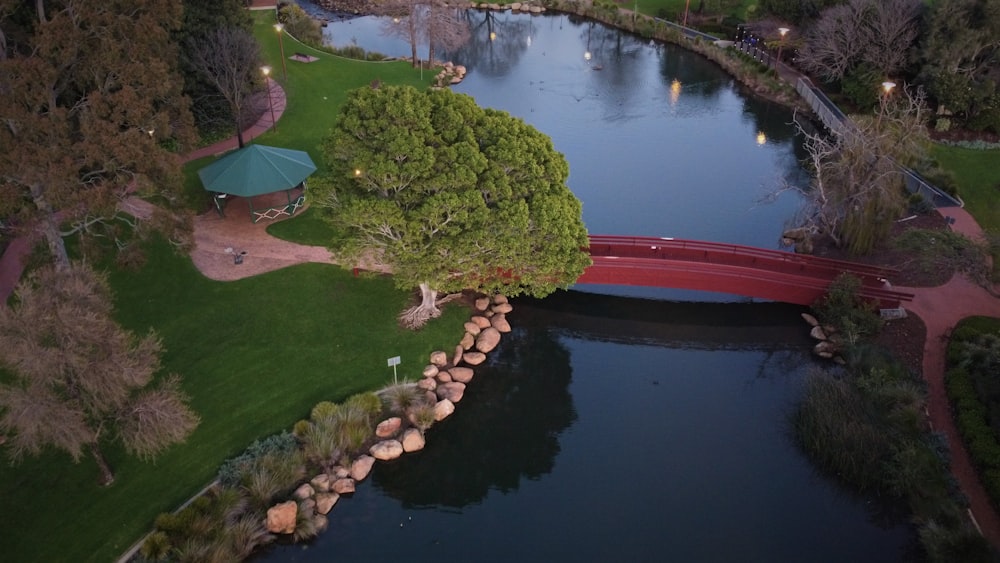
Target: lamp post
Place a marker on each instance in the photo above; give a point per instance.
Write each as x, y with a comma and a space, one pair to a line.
270, 103
887, 87
280, 28
781, 44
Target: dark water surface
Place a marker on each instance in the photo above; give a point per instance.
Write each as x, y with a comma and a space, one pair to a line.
609, 428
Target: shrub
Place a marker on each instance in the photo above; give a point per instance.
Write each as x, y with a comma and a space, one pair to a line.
156, 547
232, 470
369, 403
300, 428
401, 397
422, 416
947, 543
323, 409
843, 308
271, 476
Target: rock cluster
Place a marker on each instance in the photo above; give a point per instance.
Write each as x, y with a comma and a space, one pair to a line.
829, 343
444, 381
451, 73
514, 7
315, 499
801, 237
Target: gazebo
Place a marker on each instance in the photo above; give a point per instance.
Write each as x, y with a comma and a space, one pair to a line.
257, 170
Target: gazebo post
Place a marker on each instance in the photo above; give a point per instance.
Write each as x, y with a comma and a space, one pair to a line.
253, 217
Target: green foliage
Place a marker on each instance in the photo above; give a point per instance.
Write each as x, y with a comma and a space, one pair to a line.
452, 194
402, 397
232, 470
300, 25
946, 543
368, 403
843, 308
156, 547
323, 409
945, 250
422, 416
860, 85
271, 477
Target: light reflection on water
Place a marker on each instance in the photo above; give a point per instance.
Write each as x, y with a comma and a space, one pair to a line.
607, 428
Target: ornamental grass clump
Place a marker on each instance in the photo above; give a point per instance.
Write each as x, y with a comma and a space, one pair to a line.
401, 397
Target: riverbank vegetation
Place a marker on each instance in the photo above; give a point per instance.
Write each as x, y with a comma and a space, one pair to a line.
865, 425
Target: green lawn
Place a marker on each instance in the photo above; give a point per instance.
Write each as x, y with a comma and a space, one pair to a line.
674, 9
255, 356
978, 176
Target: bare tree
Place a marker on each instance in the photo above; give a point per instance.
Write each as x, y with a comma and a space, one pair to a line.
77, 375
878, 33
229, 59
858, 190
436, 22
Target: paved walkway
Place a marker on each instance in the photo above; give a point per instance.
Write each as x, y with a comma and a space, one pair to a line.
941, 308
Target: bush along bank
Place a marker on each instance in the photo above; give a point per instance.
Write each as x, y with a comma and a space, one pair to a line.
283, 487
865, 423
974, 391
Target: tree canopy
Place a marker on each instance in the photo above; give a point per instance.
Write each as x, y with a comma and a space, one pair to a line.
451, 196
77, 376
91, 99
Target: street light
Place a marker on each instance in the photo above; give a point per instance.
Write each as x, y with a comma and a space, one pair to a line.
280, 28
267, 78
887, 87
782, 31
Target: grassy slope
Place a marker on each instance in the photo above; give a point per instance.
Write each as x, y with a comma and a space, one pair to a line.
978, 175
255, 356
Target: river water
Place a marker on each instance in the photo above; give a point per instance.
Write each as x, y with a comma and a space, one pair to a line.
625, 424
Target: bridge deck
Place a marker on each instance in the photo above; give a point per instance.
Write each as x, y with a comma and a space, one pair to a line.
728, 268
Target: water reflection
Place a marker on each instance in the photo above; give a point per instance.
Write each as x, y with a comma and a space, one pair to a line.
505, 430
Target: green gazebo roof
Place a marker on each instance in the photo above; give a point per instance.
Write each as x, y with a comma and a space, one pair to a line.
257, 170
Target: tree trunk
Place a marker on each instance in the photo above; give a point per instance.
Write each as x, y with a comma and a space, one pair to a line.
40, 8
413, 36
50, 229
107, 477
417, 317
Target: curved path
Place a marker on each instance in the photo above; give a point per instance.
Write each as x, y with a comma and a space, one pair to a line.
941, 308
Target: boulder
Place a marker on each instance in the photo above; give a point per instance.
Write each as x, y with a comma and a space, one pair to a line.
468, 341
499, 299
443, 409
413, 440
455, 80
462, 375
281, 517
427, 384
321, 483
502, 308
482, 303
443, 377
488, 340
339, 472
481, 321
460, 70
456, 358
307, 506
810, 319
472, 328
439, 358
515, 6
386, 450
304, 491
473, 358
343, 486
796, 234
430, 397
325, 502
453, 391
536, 9
362, 467
388, 427
320, 522
817, 333
430, 371
499, 322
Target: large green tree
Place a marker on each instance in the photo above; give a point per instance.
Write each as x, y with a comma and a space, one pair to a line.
77, 377
961, 59
451, 196
91, 96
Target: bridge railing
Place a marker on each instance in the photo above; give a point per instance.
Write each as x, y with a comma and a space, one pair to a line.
653, 247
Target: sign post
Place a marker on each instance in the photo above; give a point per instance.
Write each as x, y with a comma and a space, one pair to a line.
393, 362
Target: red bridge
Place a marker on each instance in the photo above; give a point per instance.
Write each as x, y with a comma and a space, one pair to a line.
729, 268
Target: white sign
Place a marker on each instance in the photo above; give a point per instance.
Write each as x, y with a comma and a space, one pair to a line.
394, 361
